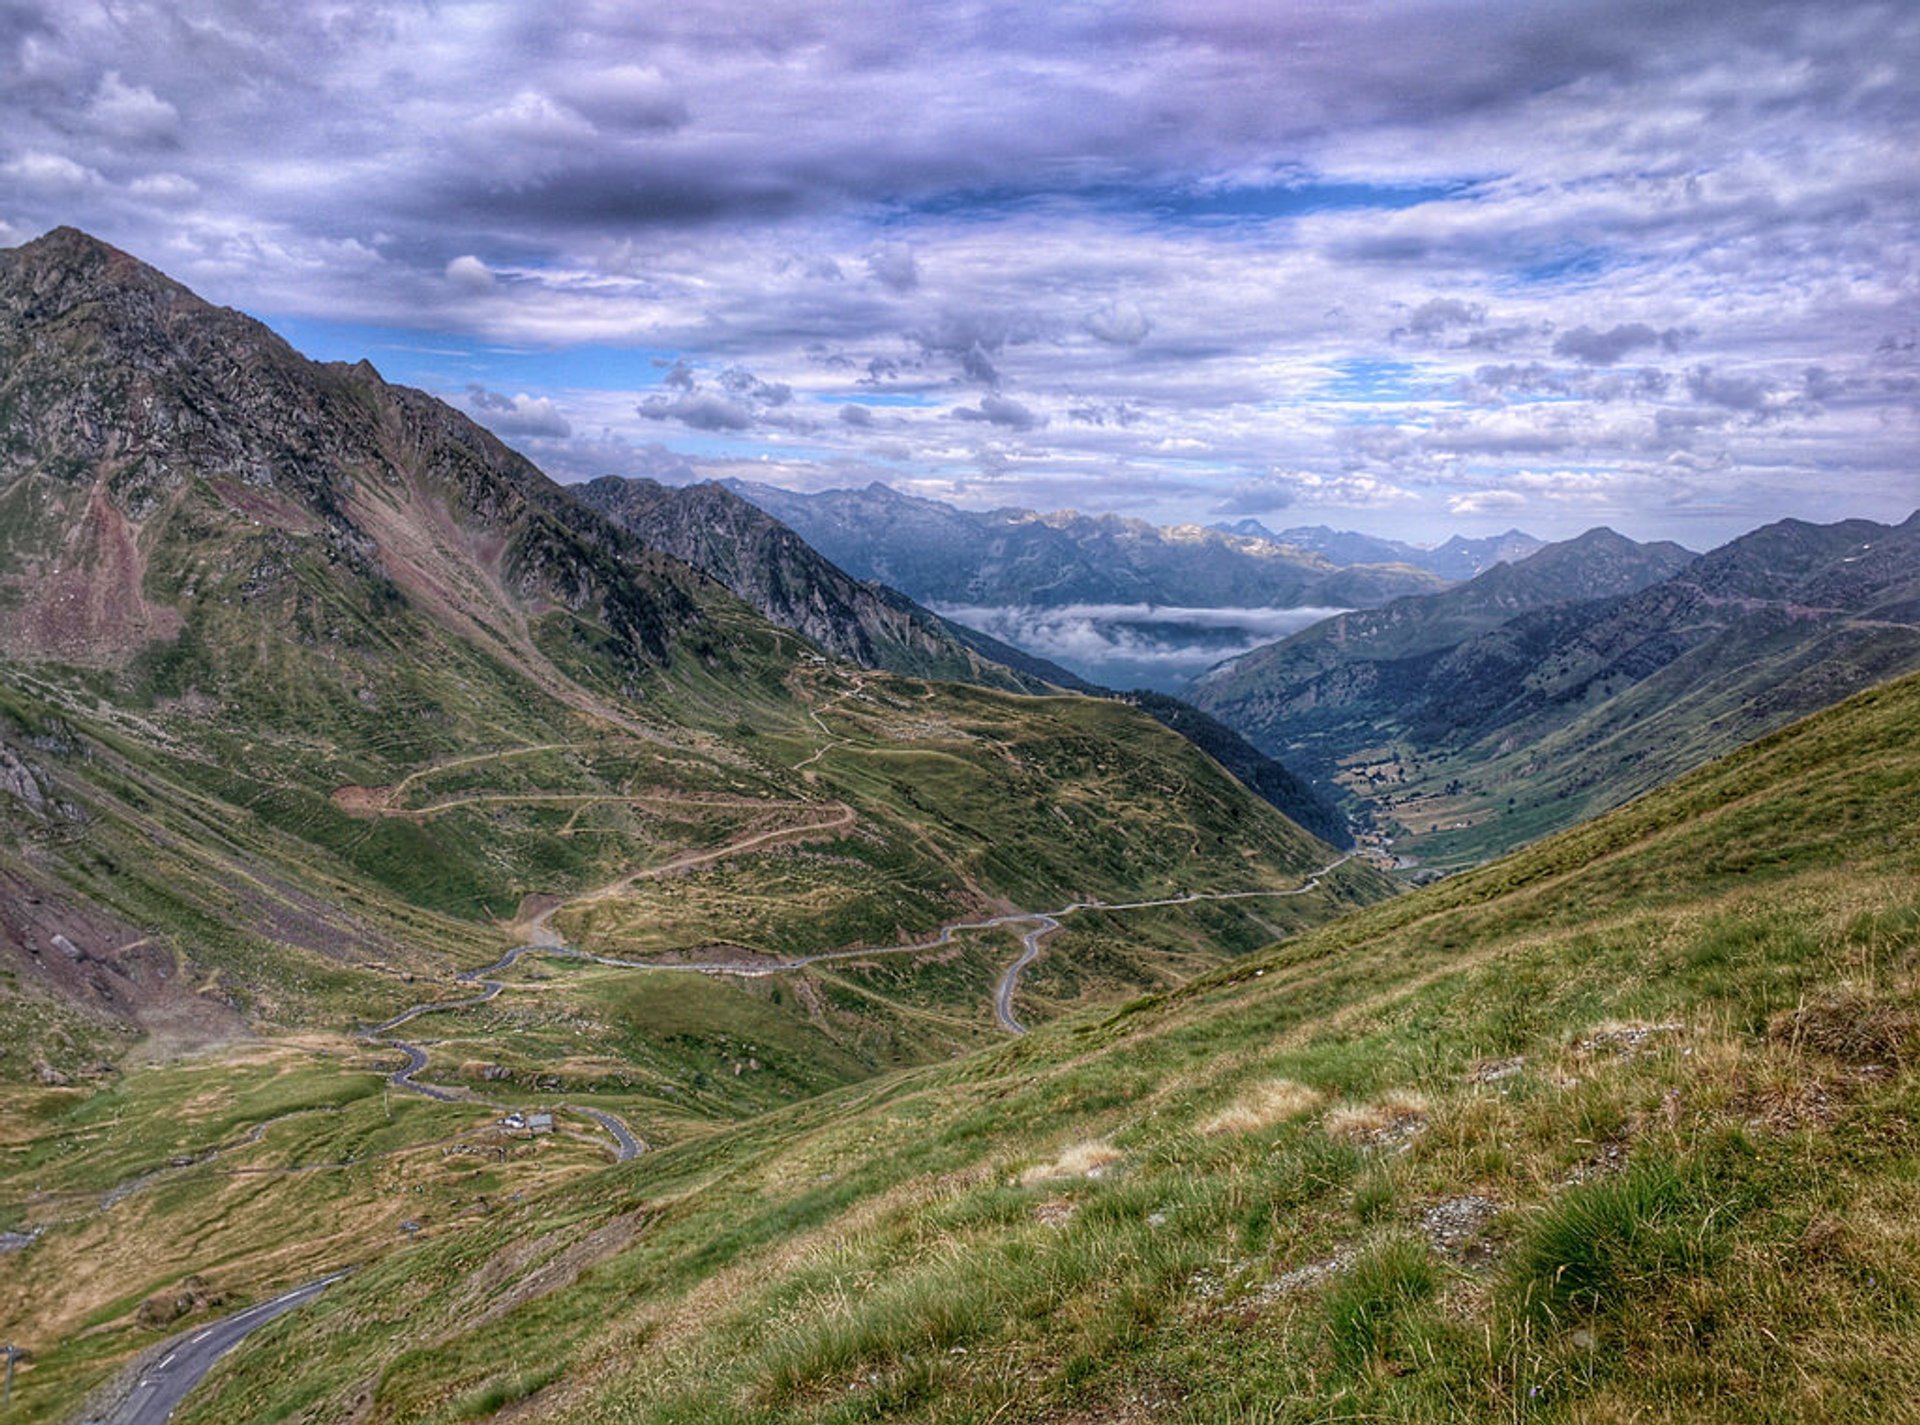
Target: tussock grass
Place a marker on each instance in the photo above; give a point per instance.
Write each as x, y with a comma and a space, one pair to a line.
1264, 1105
1397, 1113
1082, 1160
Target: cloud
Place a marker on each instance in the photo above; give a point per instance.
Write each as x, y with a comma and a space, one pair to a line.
50, 172
1000, 411
164, 188
519, 414
1761, 397
894, 267
1125, 643
1486, 502
1283, 490
974, 338
1598, 348
858, 416
739, 381
628, 96
1433, 317
742, 402
1118, 323
131, 113
532, 118
470, 274
699, 410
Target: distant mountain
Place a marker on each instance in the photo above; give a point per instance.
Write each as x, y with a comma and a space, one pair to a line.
1013, 557
1459, 558
773, 569
1482, 737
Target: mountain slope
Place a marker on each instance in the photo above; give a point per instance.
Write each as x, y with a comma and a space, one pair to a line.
940, 554
315, 693
1344, 671
1588, 567
136, 420
1616, 1128
1468, 749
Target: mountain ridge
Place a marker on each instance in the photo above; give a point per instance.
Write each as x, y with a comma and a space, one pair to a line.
941, 554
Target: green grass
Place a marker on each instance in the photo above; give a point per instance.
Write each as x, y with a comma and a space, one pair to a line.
1704, 1190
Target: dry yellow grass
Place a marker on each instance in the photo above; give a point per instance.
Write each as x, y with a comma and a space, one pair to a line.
1397, 1113
1263, 1106
1083, 1160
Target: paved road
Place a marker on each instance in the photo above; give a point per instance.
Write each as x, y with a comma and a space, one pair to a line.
1010, 980
182, 1362
626, 1147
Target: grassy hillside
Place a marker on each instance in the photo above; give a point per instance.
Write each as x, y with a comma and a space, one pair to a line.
1619, 1127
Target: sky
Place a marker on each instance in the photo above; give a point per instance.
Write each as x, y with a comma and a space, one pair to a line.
1414, 268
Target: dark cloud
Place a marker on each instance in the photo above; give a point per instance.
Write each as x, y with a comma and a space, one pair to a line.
1598, 348
858, 416
738, 381
1121, 413
699, 410
1442, 313
1751, 394
1000, 410
894, 267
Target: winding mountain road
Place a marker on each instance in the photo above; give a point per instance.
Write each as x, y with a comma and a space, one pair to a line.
543, 940
1010, 978
183, 1361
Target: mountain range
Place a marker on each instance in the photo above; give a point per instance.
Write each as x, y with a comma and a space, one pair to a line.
763, 562
766, 564
1459, 557
940, 554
